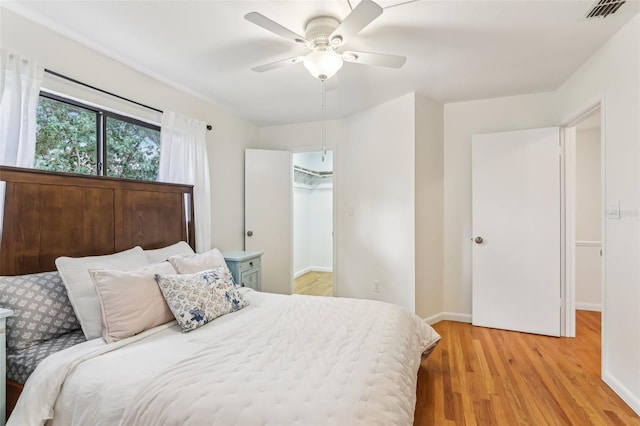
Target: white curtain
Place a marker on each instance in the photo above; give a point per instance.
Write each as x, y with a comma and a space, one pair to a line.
183, 159
20, 82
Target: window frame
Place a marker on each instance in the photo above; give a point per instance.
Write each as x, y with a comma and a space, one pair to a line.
102, 114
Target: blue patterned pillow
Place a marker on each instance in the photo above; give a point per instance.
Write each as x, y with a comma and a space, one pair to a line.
196, 299
41, 309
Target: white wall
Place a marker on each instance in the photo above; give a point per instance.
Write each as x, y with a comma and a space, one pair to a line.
588, 220
301, 232
588, 277
226, 143
588, 197
376, 204
321, 229
312, 160
312, 229
461, 121
613, 74
429, 202
304, 137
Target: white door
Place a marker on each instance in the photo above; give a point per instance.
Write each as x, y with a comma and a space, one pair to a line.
267, 215
516, 230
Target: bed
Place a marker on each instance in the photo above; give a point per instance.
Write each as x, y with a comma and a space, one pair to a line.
47, 215
280, 360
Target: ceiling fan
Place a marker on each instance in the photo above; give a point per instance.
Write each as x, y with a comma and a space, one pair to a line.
324, 35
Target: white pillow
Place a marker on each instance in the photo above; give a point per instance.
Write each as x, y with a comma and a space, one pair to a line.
164, 253
198, 262
131, 301
82, 292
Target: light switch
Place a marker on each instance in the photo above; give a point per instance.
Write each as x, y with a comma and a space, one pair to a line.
613, 210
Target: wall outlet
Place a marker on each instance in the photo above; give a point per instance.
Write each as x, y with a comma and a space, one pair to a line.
376, 286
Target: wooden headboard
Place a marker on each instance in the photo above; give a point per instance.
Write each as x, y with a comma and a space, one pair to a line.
47, 215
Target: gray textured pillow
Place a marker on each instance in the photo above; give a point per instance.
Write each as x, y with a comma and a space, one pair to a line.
196, 299
41, 307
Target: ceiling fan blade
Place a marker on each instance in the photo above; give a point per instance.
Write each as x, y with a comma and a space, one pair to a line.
278, 64
381, 60
269, 25
365, 12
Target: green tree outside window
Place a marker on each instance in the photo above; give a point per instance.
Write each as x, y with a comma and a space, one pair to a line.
67, 141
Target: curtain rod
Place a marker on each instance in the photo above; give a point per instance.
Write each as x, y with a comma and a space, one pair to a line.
73, 80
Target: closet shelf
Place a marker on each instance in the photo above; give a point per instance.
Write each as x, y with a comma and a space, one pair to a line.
310, 178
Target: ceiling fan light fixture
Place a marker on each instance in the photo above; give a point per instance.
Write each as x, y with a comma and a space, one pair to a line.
323, 64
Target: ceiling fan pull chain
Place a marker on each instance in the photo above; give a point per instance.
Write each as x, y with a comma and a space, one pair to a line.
324, 119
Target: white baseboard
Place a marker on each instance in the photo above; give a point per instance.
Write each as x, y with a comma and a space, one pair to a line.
453, 316
632, 400
434, 318
312, 269
597, 307
302, 272
448, 316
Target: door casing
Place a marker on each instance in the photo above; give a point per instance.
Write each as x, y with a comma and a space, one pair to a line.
568, 130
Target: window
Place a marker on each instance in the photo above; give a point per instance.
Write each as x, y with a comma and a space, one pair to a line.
77, 138
66, 137
133, 150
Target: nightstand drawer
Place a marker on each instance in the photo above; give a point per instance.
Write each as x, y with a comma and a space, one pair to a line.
251, 279
248, 264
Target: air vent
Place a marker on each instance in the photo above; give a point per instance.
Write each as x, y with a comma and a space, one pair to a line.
604, 8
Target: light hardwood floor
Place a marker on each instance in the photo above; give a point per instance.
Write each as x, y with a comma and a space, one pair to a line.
481, 376
314, 283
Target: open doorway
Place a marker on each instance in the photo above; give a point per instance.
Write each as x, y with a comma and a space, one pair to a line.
584, 222
313, 223
588, 208
588, 214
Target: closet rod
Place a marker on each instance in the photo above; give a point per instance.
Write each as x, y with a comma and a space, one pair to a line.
73, 80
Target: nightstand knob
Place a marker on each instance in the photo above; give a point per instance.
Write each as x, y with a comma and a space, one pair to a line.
249, 233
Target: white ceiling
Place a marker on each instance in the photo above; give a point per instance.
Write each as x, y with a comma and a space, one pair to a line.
456, 50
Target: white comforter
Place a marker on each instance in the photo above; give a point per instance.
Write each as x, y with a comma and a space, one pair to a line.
283, 360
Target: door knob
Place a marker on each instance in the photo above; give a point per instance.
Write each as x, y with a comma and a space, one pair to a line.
249, 233
479, 240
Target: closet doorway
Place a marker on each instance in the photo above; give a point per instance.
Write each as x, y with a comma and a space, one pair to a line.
588, 214
313, 223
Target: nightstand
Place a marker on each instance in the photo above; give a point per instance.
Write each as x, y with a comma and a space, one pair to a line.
4, 314
245, 267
